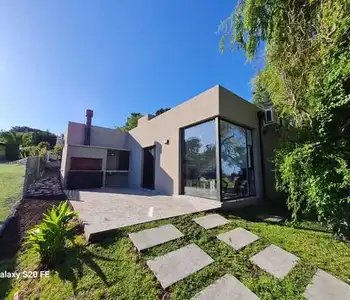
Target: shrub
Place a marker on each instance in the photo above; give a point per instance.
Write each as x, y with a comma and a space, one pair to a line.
49, 237
57, 150
44, 145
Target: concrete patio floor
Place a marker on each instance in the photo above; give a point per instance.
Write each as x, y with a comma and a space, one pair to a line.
106, 209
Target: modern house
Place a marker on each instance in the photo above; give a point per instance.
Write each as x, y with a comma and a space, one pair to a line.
215, 145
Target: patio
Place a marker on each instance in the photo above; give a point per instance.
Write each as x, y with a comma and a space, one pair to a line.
107, 209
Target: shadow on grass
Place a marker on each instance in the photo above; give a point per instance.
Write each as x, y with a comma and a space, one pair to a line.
71, 266
256, 213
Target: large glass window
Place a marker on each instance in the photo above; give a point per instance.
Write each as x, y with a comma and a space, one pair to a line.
237, 172
199, 160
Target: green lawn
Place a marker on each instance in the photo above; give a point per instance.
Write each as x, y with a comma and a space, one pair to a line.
112, 269
11, 183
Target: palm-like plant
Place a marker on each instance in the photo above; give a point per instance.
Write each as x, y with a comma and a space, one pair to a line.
49, 237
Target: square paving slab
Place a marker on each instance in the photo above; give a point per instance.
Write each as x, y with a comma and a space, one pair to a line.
179, 264
324, 286
227, 287
271, 218
106, 209
211, 221
155, 236
238, 238
275, 261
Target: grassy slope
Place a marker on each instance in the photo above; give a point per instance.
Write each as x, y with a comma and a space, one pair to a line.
113, 270
11, 183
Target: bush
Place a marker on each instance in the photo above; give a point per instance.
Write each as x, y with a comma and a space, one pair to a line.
33, 151
44, 145
49, 237
57, 150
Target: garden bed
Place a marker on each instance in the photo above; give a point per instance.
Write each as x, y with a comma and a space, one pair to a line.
29, 213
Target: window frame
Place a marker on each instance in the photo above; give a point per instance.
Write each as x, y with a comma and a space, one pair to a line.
218, 163
246, 128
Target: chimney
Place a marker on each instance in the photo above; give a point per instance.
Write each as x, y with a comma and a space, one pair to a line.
87, 137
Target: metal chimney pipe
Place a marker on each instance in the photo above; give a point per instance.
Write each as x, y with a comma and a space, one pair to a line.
87, 137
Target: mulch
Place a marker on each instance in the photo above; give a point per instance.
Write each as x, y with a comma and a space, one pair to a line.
29, 213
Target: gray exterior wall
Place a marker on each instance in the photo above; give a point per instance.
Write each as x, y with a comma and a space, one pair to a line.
167, 127
100, 136
101, 139
216, 101
241, 112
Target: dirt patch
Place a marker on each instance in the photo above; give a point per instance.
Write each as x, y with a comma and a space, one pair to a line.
29, 213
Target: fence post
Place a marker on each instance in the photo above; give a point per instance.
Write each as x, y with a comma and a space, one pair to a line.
38, 167
25, 181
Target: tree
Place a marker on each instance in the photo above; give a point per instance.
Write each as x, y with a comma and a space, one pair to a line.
131, 122
44, 136
161, 111
12, 142
307, 79
57, 150
44, 145
32, 136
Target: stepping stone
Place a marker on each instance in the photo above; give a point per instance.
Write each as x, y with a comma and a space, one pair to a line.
271, 219
179, 264
155, 236
238, 238
227, 287
325, 286
275, 261
211, 221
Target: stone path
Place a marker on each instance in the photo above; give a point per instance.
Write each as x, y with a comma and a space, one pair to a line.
238, 238
211, 221
324, 286
155, 236
179, 264
227, 287
275, 261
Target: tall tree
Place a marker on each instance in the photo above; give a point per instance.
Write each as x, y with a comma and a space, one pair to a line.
307, 79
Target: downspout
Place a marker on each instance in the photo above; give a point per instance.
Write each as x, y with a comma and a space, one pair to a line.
260, 117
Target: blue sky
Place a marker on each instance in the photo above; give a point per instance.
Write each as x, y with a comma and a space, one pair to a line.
58, 58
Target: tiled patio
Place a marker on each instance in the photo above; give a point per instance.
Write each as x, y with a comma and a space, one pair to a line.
107, 209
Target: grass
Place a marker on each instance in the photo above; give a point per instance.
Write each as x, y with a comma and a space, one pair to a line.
112, 269
11, 183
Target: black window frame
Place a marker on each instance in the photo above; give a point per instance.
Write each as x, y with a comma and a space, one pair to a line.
217, 120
